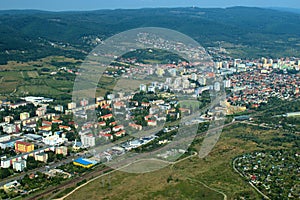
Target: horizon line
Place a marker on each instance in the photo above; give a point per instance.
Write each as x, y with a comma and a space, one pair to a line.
159, 7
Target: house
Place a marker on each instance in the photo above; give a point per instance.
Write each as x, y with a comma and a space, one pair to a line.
106, 131
87, 125
147, 117
101, 102
118, 128
57, 121
185, 110
120, 133
136, 126
113, 123
41, 111
119, 105
46, 123
72, 123
101, 123
45, 128
106, 117
107, 136
152, 123
61, 127
145, 104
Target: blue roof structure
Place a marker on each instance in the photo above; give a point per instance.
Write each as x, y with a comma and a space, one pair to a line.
83, 161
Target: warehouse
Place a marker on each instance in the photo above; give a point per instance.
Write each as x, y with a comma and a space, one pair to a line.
86, 163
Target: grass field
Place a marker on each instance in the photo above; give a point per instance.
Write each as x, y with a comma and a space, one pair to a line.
173, 182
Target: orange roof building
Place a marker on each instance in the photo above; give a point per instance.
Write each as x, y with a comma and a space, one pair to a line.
24, 147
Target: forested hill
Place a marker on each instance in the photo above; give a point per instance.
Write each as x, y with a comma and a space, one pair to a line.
245, 32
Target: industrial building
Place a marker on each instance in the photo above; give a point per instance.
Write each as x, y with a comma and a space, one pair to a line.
83, 162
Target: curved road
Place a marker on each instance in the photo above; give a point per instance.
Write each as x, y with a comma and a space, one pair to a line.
235, 169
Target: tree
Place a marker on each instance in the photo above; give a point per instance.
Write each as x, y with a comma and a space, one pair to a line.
4, 173
70, 136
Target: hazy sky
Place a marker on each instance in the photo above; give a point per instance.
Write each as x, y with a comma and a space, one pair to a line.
58, 5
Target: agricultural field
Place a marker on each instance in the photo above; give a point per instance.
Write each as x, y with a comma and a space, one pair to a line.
42, 77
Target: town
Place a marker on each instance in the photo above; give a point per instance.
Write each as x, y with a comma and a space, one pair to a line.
54, 140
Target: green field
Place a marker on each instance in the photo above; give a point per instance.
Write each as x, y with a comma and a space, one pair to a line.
174, 182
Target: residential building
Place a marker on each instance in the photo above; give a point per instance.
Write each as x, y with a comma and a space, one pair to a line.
59, 108
4, 138
45, 128
24, 115
8, 119
61, 150
151, 89
107, 136
88, 140
61, 127
106, 117
136, 126
43, 157
84, 102
53, 140
19, 166
143, 88
118, 128
41, 111
24, 147
120, 133
71, 105
151, 123
10, 143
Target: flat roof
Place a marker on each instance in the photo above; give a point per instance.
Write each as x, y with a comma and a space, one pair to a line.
34, 136
12, 140
85, 161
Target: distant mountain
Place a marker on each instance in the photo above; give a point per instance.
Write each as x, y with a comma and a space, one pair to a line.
247, 32
292, 10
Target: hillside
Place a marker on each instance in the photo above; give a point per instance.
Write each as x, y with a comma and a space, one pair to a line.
245, 32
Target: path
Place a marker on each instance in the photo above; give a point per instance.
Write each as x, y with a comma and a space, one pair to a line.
213, 189
67, 195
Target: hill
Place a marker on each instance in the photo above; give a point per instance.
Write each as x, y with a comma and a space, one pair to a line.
245, 32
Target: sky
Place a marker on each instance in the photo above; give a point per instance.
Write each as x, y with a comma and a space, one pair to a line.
63, 5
